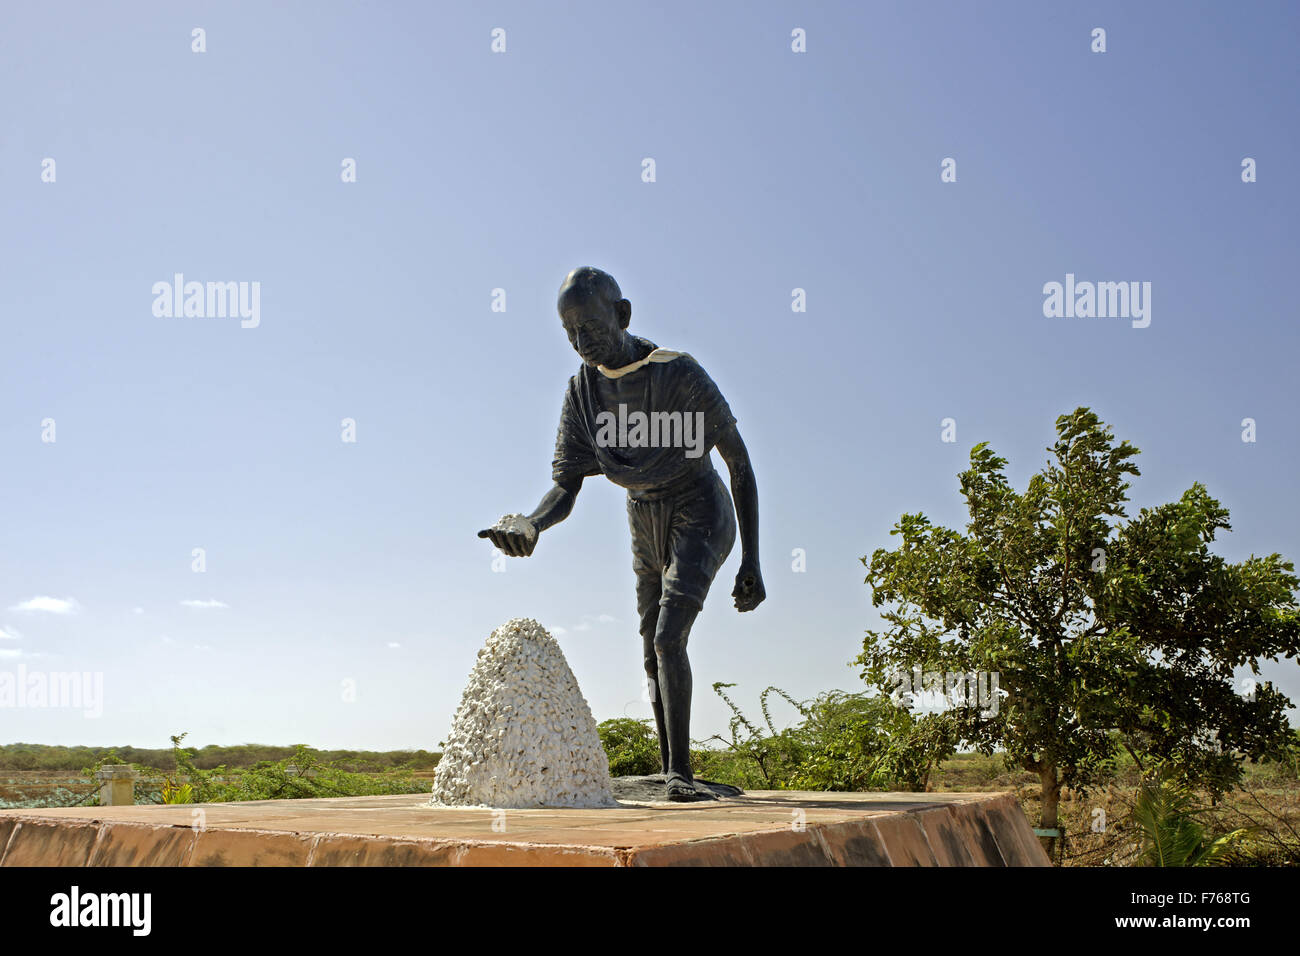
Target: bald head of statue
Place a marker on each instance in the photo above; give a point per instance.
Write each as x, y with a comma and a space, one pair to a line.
595, 317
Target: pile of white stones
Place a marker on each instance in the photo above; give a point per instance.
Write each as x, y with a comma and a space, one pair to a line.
523, 735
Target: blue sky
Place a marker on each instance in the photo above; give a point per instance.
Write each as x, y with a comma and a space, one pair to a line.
358, 562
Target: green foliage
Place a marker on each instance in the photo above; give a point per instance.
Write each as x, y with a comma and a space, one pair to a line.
842, 741
753, 757
1171, 833
868, 742
174, 793
632, 746
300, 774
1109, 634
21, 756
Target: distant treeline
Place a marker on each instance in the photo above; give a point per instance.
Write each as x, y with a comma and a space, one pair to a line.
42, 757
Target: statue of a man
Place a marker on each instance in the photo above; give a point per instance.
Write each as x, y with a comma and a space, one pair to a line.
646, 418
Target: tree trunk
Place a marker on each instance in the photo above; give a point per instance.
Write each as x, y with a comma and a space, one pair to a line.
1049, 819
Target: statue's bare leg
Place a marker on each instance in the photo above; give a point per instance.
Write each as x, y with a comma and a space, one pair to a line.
671, 633
651, 661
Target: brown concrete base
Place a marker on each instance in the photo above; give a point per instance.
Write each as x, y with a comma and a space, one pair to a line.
763, 828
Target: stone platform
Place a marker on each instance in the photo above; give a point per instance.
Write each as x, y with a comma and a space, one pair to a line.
760, 828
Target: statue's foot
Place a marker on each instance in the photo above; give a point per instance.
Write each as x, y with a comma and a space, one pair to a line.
682, 790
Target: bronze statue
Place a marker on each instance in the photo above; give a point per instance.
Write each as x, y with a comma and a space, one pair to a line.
647, 418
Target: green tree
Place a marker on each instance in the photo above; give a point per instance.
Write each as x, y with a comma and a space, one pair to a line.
1107, 633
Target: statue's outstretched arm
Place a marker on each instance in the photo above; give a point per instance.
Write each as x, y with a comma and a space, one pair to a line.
516, 535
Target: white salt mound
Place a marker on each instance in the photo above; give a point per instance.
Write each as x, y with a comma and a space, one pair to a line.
523, 735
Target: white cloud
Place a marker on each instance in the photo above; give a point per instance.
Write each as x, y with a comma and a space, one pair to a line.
9, 634
13, 653
393, 644
138, 610
50, 604
585, 624
212, 603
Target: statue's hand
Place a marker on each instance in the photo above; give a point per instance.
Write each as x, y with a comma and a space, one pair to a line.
513, 535
749, 591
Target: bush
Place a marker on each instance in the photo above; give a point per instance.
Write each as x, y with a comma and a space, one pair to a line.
1171, 834
632, 747
843, 742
